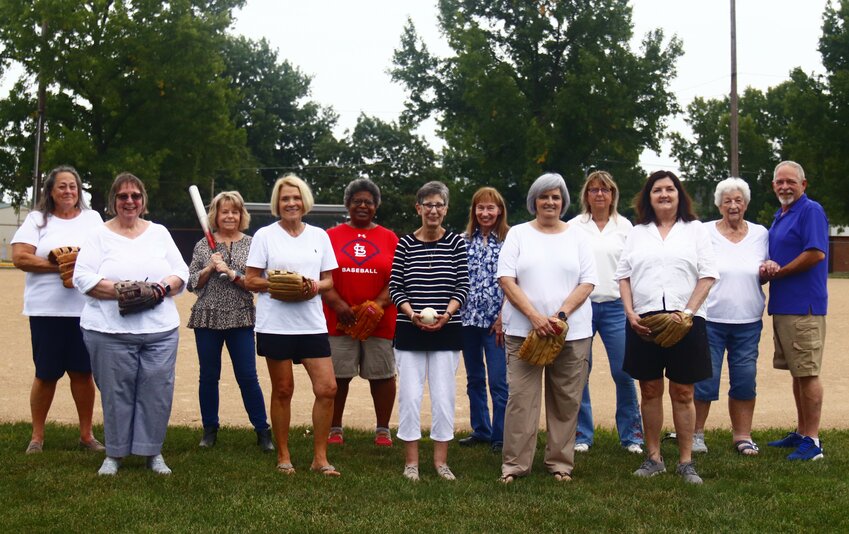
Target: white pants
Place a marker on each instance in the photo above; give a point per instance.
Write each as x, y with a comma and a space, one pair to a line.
439, 369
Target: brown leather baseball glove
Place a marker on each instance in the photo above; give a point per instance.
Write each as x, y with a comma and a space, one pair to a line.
538, 350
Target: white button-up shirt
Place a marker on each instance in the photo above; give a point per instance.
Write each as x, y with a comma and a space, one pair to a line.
607, 246
664, 272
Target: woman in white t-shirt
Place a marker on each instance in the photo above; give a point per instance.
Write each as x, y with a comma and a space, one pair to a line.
294, 332
61, 219
547, 270
735, 307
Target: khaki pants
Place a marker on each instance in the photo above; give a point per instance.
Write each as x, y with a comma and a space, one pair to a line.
565, 379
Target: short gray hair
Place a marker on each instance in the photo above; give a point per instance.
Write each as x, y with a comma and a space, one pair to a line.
547, 182
730, 185
358, 185
800, 172
432, 188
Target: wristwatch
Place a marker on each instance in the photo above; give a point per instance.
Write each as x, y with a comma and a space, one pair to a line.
688, 312
562, 316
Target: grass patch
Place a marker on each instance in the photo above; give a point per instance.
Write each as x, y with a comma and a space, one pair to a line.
234, 488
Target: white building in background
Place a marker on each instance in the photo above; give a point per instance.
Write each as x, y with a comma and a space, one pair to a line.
10, 219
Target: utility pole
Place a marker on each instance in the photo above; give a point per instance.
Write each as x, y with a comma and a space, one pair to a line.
39, 124
733, 122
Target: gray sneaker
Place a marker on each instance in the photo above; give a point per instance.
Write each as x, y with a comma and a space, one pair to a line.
157, 465
688, 473
699, 444
650, 468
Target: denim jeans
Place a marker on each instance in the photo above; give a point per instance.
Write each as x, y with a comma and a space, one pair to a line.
484, 358
609, 322
741, 341
240, 345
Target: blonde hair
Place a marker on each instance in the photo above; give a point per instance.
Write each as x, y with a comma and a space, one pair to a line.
607, 181
491, 194
235, 198
291, 180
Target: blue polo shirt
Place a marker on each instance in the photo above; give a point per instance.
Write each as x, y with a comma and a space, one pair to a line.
802, 227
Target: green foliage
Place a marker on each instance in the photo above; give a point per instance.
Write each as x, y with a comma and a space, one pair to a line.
234, 488
539, 86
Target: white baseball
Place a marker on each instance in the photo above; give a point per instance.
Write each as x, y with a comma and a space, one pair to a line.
428, 316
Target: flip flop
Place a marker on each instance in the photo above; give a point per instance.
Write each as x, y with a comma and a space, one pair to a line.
507, 479
562, 477
746, 447
286, 468
326, 470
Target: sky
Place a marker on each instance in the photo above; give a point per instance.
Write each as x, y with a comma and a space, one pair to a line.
346, 47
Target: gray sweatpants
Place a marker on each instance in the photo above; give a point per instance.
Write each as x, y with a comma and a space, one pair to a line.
135, 375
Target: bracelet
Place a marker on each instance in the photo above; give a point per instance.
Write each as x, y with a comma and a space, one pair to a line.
236, 276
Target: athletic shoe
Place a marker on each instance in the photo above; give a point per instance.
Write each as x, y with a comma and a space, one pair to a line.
582, 447
445, 473
411, 473
791, 440
109, 467
210, 436
157, 465
650, 468
382, 438
699, 443
335, 437
634, 448
688, 473
808, 450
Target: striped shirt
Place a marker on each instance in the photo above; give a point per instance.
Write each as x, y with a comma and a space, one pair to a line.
429, 274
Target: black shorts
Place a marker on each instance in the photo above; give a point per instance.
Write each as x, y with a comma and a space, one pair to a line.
687, 362
295, 347
57, 347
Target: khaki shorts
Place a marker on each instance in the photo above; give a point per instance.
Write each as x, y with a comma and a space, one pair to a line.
799, 341
372, 359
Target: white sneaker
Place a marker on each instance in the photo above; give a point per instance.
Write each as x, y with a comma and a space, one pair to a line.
634, 448
582, 447
411, 472
109, 467
699, 443
157, 465
445, 472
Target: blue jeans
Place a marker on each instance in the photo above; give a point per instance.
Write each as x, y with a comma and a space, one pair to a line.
609, 322
484, 358
741, 341
240, 345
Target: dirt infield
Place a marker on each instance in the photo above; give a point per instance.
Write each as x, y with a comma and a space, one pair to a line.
774, 407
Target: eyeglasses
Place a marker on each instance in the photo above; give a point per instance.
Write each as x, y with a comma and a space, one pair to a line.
123, 197
438, 206
362, 202
598, 190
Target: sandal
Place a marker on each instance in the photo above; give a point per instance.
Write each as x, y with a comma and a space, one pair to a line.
286, 468
326, 470
506, 479
746, 447
560, 476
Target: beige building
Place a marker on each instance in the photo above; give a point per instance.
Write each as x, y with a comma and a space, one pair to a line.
10, 220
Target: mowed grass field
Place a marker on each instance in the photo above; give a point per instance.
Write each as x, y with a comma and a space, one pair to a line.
235, 488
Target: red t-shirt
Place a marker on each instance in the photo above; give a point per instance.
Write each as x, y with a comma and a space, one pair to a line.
365, 263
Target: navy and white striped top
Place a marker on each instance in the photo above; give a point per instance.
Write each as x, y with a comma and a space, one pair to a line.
429, 274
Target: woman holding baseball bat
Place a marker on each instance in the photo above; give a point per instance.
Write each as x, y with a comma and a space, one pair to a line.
290, 264
665, 273
130, 268
429, 283
62, 220
547, 270
360, 316
225, 313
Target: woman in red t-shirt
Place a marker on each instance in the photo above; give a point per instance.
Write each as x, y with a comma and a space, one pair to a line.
364, 251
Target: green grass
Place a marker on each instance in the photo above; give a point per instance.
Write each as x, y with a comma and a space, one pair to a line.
234, 488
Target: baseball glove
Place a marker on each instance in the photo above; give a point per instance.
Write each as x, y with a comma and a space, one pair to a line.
668, 328
53, 256
290, 287
67, 261
538, 350
368, 315
135, 297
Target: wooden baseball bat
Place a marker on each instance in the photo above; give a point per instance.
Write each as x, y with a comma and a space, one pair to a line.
200, 211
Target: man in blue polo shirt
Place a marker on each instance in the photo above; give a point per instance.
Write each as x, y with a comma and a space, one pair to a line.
798, 299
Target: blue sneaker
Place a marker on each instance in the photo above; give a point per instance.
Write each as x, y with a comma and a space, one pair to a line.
808, 450
791, 440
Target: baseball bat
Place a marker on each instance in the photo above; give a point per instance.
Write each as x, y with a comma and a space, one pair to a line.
200, 211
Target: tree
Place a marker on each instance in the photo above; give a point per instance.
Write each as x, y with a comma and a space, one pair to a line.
537, 86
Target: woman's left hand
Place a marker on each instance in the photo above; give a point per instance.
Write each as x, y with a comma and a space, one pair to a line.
437, 325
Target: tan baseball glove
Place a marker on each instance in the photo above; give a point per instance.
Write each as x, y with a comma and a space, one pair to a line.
66, 259
538, 350
290, 287
668, 328
368, 315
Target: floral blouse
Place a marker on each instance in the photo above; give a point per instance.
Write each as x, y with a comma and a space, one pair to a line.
485, 295
221, 304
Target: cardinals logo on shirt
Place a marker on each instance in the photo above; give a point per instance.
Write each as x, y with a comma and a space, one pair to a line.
360, 250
